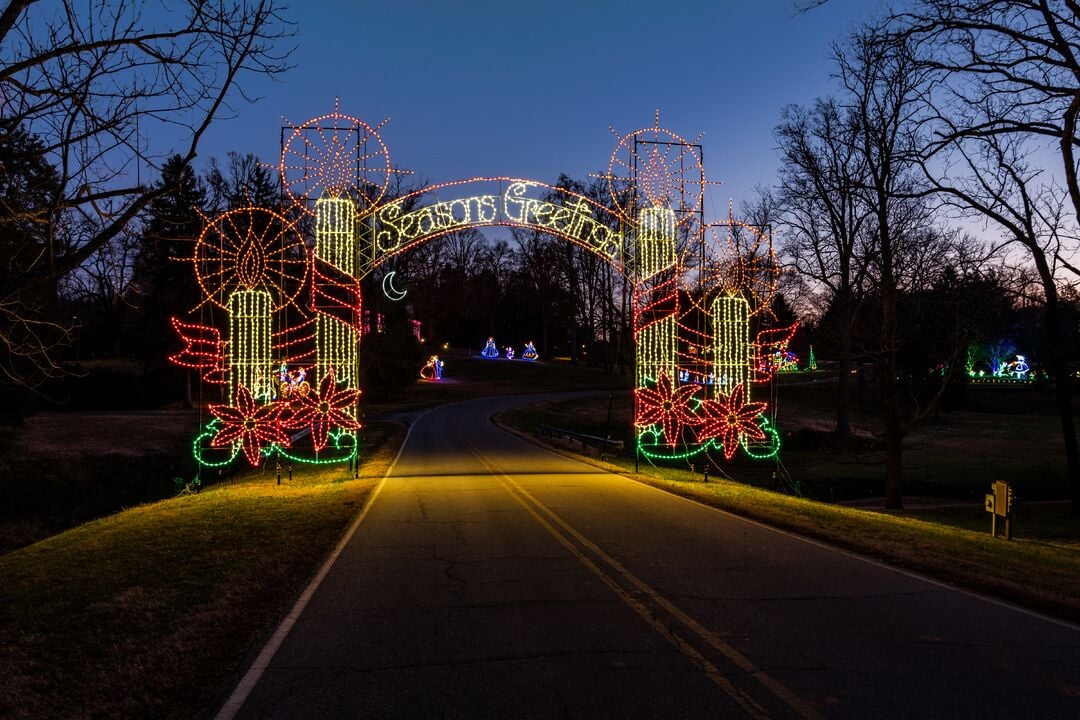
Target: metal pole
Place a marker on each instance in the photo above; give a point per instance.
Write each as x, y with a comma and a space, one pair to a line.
607, 424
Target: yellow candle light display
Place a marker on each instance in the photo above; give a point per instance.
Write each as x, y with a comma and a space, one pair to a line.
733, 352
250, 358
657, 335
335, 245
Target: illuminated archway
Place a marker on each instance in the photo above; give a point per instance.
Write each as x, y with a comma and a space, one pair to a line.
293, 318
509, 202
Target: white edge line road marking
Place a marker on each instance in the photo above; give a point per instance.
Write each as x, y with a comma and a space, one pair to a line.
247, 683
819, 543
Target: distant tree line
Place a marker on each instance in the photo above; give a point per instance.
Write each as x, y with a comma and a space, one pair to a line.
950, 114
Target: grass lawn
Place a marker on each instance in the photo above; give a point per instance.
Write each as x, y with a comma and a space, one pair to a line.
945, 537
153, 612
1001, 433
467, 375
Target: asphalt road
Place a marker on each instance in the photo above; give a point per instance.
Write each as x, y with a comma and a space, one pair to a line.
492, 579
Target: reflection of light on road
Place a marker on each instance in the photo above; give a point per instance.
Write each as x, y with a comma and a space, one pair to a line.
660, 613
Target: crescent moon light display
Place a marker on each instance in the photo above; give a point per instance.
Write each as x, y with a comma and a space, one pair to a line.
388, 287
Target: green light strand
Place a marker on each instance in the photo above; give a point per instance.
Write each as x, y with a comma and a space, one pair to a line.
351, 444
197, 448
770, 451
774, 443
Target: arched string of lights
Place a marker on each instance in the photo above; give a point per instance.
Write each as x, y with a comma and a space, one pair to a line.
286, 359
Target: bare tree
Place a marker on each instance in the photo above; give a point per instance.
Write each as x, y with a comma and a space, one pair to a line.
1012, 77
107, 89
885, 88
823, 218
28, 314
101, 286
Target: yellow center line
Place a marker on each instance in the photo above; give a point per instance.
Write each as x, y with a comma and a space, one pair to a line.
532, 505
711, 671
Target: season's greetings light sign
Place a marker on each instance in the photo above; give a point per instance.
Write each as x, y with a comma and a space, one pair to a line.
523, 203
291, 306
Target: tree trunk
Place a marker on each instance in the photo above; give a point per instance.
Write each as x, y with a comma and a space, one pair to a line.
894, 456
1063, 402
890, 407
1059, 371
843, 377
890, 400
843, 397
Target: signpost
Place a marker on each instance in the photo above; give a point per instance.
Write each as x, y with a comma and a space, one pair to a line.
999, 503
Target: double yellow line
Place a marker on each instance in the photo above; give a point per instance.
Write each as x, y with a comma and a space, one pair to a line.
650, 605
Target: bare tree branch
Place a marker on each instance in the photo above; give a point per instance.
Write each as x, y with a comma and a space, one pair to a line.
108, 90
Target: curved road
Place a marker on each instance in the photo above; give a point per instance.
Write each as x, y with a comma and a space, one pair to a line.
489, 578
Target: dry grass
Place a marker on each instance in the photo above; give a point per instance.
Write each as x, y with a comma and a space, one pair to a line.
63, 469
152, 611
65, 434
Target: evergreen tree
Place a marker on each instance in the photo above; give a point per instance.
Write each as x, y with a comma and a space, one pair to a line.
29, 327
245, 182
164, 283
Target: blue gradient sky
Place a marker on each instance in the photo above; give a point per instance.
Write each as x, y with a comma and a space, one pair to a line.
530, 89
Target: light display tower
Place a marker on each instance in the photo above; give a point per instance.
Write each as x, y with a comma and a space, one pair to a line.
336, 168
655, 300
289, 314
337, 338
698, 352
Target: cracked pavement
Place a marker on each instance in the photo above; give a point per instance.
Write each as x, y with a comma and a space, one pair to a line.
549, 589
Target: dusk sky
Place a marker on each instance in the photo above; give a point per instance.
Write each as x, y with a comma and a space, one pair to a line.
530, 90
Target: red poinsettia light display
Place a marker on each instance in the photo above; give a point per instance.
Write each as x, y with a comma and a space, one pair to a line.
668, 405
327, 408
729, 419
250, 424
